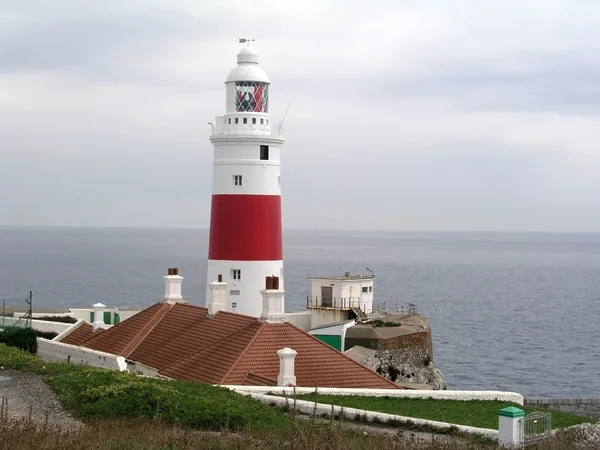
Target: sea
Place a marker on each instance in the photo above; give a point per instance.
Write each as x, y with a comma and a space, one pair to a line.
509, 311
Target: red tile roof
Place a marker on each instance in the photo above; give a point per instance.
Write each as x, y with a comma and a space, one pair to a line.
183, 343
122, 338
80, 334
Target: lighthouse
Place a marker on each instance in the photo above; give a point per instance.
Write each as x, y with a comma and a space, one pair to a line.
245, 240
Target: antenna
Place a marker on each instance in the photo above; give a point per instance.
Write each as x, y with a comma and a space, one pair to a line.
248, 40
284, 116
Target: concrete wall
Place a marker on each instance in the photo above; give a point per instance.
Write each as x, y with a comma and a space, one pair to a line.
501, 396
586, 407
39, 325
299, 319
53, 351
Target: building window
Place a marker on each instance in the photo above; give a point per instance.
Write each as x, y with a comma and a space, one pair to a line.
254, 121
370, 288
279, 181
264, 152
245, 120
267, 121
236, 274
262, 121
237, 120
237, 180
229, 121
365, 289
234, 292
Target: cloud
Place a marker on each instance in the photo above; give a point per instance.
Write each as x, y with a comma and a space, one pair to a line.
420, 114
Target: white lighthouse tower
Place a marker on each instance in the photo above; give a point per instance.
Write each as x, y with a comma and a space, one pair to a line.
245, 243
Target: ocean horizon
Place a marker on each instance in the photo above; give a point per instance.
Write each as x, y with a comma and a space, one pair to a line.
511, 311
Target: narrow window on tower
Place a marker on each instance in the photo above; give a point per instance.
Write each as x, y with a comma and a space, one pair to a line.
229, 121
245, 120
264, 152
237, 180
262, 121
236, 274
254, 121
236, 120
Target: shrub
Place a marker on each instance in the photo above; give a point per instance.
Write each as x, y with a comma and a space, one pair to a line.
13, 358
23, 338
62, 319
45, 334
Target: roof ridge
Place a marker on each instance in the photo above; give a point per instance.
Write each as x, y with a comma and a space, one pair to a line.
243, 352
208, 346
344, 355
146, 329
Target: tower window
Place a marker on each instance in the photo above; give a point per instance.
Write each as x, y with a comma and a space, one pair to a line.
365, 289
245, 120
236, 274
229, 121
254, 121
264, 152
237, 180
262, 121
236, 120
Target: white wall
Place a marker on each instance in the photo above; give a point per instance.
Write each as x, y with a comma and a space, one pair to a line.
39, 325
84, 313
346, 289
320, 317
53, 351
502, 396
249, 300
299, 319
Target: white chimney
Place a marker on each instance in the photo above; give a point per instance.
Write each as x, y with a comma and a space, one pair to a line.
173, 285
217, 300
287, 357
273, 310
98, 316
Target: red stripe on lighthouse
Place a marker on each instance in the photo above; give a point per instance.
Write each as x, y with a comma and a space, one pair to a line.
245, 228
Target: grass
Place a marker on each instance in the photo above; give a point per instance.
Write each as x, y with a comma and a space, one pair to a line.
475, 413
92, 393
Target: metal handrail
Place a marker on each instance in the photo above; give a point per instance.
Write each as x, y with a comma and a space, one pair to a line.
332, 302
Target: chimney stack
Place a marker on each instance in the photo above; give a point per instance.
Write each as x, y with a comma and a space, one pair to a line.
217, 300
173, 285
98, 316
287, 358
273, 310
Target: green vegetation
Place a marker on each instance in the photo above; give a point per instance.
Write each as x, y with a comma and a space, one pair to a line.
45, 334
91, 393
22, 338
475, 413
124, 411
62, 319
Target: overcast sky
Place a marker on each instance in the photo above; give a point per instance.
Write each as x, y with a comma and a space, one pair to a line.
417, 115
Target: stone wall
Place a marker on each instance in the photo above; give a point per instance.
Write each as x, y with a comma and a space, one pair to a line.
408, 349
586, 407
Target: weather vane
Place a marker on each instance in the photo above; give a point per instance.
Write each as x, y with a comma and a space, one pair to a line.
248, 40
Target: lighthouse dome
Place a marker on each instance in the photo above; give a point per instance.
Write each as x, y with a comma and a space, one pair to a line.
247, 68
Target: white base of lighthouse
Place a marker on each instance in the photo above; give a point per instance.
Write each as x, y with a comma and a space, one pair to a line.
244, 294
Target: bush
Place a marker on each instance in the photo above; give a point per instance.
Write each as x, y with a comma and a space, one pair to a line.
62, 319
13, 358
23, 338
45, 334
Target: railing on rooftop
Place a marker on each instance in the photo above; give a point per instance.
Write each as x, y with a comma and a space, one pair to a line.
341, 303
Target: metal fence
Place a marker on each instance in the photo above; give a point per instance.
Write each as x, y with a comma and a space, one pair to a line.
535, 427
22, 306
385, 309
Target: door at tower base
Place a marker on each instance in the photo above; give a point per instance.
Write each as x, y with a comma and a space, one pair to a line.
245, 280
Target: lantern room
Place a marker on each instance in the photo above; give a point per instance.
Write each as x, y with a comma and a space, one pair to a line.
247, 85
